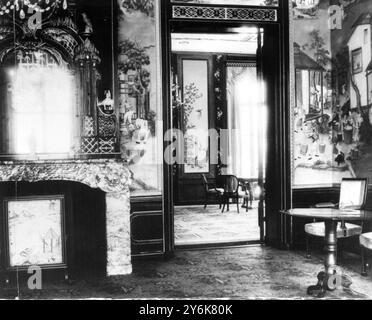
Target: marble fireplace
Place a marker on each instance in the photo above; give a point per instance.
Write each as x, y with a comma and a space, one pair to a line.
109, 175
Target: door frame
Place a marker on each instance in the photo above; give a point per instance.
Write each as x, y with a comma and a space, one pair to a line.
279, 191
212, 168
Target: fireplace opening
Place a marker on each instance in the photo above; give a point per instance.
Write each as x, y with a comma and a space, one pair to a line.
83, 230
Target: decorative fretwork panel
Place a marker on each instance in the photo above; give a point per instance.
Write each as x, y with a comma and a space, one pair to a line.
89, 145
63, 38
88, 126
220, 13
107, 145
251, 14
106, 125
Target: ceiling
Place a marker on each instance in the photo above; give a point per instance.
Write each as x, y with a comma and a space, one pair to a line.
232, 43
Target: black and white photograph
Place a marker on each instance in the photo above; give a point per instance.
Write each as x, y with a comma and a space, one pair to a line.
158, 151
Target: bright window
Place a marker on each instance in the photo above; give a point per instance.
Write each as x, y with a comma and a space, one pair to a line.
41, 106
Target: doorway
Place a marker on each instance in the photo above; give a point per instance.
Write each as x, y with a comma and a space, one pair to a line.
220, 118
273, 63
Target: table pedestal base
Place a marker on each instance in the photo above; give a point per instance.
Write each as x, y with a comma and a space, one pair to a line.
329, 283
332, 278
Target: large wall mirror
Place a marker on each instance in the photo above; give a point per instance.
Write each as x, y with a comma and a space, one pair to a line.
57, 95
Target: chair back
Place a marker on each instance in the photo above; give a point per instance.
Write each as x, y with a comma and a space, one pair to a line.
231, 184
353, 193
204, 181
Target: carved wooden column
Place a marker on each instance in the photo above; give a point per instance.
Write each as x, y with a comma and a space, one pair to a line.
87, 58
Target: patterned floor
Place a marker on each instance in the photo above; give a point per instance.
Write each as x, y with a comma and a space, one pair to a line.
252, 272
194, 225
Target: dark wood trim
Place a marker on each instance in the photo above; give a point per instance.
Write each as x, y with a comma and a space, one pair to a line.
218, 245
167, 125
282, 131
280, 171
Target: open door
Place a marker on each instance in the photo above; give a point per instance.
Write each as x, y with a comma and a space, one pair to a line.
262, 145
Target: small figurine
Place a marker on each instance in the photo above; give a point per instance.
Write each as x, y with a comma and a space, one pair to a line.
340, 159
107, 104
88, 24
142, 134
128, 115
106, 116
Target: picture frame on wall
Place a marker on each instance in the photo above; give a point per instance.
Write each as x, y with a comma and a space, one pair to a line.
357, 61
42, 218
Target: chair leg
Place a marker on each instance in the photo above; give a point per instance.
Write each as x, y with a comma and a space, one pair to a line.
237, 204
308, 248
364, 261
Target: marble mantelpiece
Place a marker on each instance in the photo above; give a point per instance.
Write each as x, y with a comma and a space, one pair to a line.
111, 176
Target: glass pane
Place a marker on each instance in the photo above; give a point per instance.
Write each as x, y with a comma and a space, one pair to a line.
247, 121
195, 97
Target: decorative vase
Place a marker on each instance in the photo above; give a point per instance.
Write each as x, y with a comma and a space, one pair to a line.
355, 154
348, 135
322, 148
303, 149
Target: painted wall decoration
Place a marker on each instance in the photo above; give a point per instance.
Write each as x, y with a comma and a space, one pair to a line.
318, 159
139, 96
337, 142
305, 9
352, 58
195, 112
41, 221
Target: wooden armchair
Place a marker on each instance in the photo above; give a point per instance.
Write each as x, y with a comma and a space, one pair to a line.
234, 190
211, 191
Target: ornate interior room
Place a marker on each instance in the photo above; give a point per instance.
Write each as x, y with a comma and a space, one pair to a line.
221, 147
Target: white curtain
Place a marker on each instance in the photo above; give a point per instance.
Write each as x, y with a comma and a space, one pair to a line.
246, 120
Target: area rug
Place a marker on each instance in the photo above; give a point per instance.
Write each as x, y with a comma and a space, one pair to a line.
196, 225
